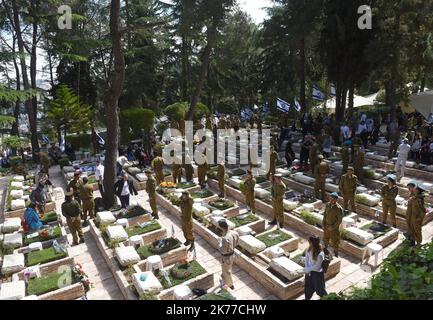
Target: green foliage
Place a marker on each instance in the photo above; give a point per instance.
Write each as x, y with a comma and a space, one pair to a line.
63, 162
273, 237
201, 111
51, 282
361, 199
221, 204
369, 174
205, 193
242, 220
219, 295
150, 250
194, 270
11, 95
13, 142
43, 256
177, 111
227, 106
49, 217
148, 296
137, 230
80, 141
309, 218
56, 233
185, 185
133, 120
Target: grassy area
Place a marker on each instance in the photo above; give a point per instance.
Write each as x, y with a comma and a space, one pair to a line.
135, 211
273, 237
51, 282
56, 233
237, 172
5, 251
261, 180
194, 269
137, 230
243, 219
376, 229
49, 217
309, 218
147, 251
205, 193
43, 256
220, 295
185, 185
221, 204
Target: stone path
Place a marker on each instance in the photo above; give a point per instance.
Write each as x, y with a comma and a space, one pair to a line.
246, 287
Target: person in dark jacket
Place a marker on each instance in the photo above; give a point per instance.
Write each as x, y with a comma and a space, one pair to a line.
123, 188
39, 198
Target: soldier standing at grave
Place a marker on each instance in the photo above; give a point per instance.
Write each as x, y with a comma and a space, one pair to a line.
202, 171
332, 219
278, 191
176, 172
314, 150
185, 203
86, 194
221, 179
75, 185
347, 186
389, 193
158, 167
249, 184
71, 210
151, 192
229, 241
320, 173
189, 170
273, 160
345, 158
415, 214
358, 163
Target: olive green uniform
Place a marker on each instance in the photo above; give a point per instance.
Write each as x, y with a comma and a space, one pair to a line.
72, 210
320, 173
158, 168
278, 191
45, 162
221, 179
186, 217
272, 163
313, 156
345, 158
415, 214
228, 244
177, 173
332, 219
249, 185
86, 195
189, 172
358, 164
202, 172
151, 192
347, 188
388, 203
75, 185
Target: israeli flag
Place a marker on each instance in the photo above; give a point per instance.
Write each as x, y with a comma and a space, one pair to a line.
283, 106
297, 105
245, 114
333, 92
100, 140
317, 94
45, 138
265, 110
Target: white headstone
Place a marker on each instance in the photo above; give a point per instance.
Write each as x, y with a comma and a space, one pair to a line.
11, 225
146, 282
12, 263
116, 233
18, 204
17, 194
126, 256
105, 217
13, 240
286, 267
15, 290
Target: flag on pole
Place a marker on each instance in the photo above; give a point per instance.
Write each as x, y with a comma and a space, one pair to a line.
283, 106
297, 105
100, 140
333, 92
317, 94
256, 107
265, 110
45, 138
245, 114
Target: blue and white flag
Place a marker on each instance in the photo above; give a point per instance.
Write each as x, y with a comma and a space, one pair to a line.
333, 92
297, 105
265, 110
45, 138
317, 94
245, 114
283, 106
100, 140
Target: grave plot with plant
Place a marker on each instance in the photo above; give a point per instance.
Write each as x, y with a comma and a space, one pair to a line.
274, 237
243, 219
43, 235
180, 273
158, 247
49, 217
185, 185
218, 295
143, 228
221, 204
44, 256
202, 194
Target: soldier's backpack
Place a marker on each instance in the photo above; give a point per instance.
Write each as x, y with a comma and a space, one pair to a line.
99, 204
327, 261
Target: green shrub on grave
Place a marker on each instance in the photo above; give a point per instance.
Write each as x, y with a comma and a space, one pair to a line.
376, 229
202, 194
309, 218
193, 270
51, 282
360, 198
49, 217
238, 172
369, 174
221, 204
56, 233
243, 219
64, 162
137, 230
273, 237
156, 249
260, 180
148, 296
43, 256
185, 185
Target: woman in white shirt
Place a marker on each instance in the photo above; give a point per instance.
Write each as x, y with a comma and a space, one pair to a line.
314, 275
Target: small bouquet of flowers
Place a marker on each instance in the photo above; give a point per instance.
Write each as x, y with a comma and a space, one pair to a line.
82, 276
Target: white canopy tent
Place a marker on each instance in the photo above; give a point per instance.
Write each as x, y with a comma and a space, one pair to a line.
358, 102
422, 102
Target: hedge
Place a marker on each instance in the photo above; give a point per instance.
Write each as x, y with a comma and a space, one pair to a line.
80, 141
136, 119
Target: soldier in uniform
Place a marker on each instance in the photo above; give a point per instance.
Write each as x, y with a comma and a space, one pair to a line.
272, 162
176, 172
320, 173
158, 168
345, 157
221, 179
185, 203
189, 170
75, 185
151, 192
347, 186
221, 123
278, 191
332, 219
229, 241
358, 163
249, 184
202, 172
86, 195
415, 214
411, 186
71, 210
44, 161
389, 193
314, 150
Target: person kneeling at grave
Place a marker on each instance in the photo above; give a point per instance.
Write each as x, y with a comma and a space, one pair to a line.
229, 241
31, 219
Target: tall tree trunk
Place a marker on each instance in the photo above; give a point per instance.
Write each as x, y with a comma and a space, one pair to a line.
351, 102
15, 129
184, 77
33, 121
111, 101
302, 76
211, 37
